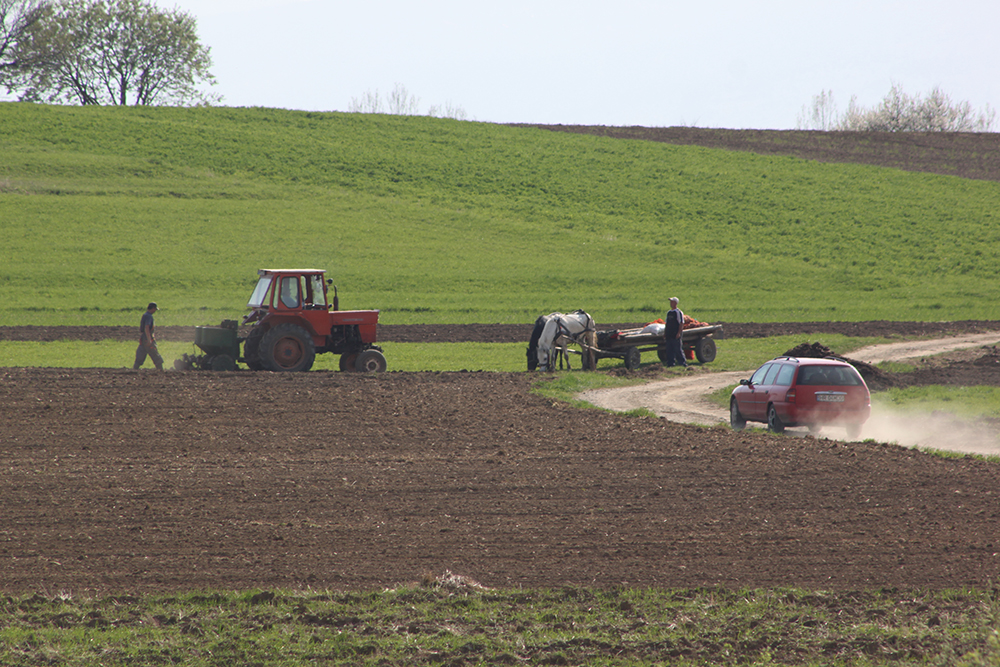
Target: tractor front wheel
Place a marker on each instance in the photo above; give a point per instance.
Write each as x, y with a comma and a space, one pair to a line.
287, 348
347, 362
370, 361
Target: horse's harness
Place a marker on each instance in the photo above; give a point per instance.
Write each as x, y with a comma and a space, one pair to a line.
564, 330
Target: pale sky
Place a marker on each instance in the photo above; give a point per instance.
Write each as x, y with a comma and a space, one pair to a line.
705, 63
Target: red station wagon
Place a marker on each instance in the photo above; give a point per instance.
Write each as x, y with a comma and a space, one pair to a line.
794, 391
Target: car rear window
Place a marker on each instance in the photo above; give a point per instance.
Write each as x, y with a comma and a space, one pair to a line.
828, 376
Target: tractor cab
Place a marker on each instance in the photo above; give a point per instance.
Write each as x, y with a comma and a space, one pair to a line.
287, 289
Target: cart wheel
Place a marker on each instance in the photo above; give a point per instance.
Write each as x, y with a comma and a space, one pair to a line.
705, 350
661, 354
632, 358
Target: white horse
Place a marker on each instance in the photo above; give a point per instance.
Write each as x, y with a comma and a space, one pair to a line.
554, 332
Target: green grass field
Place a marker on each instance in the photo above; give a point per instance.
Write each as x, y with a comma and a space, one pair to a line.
733, 355
442, 625
437, 221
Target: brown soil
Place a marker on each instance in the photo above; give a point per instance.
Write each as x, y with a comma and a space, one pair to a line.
519, 333
119, 480
969, 155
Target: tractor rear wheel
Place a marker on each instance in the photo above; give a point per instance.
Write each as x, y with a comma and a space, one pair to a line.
287, 348
370, 361
251, 349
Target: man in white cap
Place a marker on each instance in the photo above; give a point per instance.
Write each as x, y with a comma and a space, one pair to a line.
673, 331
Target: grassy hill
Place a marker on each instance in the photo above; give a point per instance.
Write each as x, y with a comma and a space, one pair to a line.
439, 221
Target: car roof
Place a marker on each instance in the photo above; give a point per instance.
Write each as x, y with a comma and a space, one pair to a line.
269, 272
813, 361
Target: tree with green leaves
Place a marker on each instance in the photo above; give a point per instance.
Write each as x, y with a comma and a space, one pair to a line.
112, 52
16, 18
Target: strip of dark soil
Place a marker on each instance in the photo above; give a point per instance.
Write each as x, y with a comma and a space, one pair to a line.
965, 154
518, 333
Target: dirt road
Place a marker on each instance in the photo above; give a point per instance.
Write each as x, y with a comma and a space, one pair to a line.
683, 400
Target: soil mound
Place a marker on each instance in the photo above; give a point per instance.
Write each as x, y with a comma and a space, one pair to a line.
990, 359
875, 378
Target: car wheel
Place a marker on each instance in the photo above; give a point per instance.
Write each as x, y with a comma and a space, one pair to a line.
774, 422
736, 420
853, 431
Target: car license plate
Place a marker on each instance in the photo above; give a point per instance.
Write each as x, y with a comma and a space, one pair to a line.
830, 398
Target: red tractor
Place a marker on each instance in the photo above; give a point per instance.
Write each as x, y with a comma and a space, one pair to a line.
293, 322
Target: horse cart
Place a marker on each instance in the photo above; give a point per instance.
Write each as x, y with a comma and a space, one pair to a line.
629, 344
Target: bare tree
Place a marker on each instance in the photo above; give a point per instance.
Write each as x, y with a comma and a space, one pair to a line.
402, 103
114, 52
449, 110
399, 102
369, 102
821, 116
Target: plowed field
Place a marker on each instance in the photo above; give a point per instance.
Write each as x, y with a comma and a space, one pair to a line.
118, 480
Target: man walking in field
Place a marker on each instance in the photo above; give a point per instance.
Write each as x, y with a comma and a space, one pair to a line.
673, 331
147, 341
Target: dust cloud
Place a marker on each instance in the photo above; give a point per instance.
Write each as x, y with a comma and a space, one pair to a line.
934, 430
